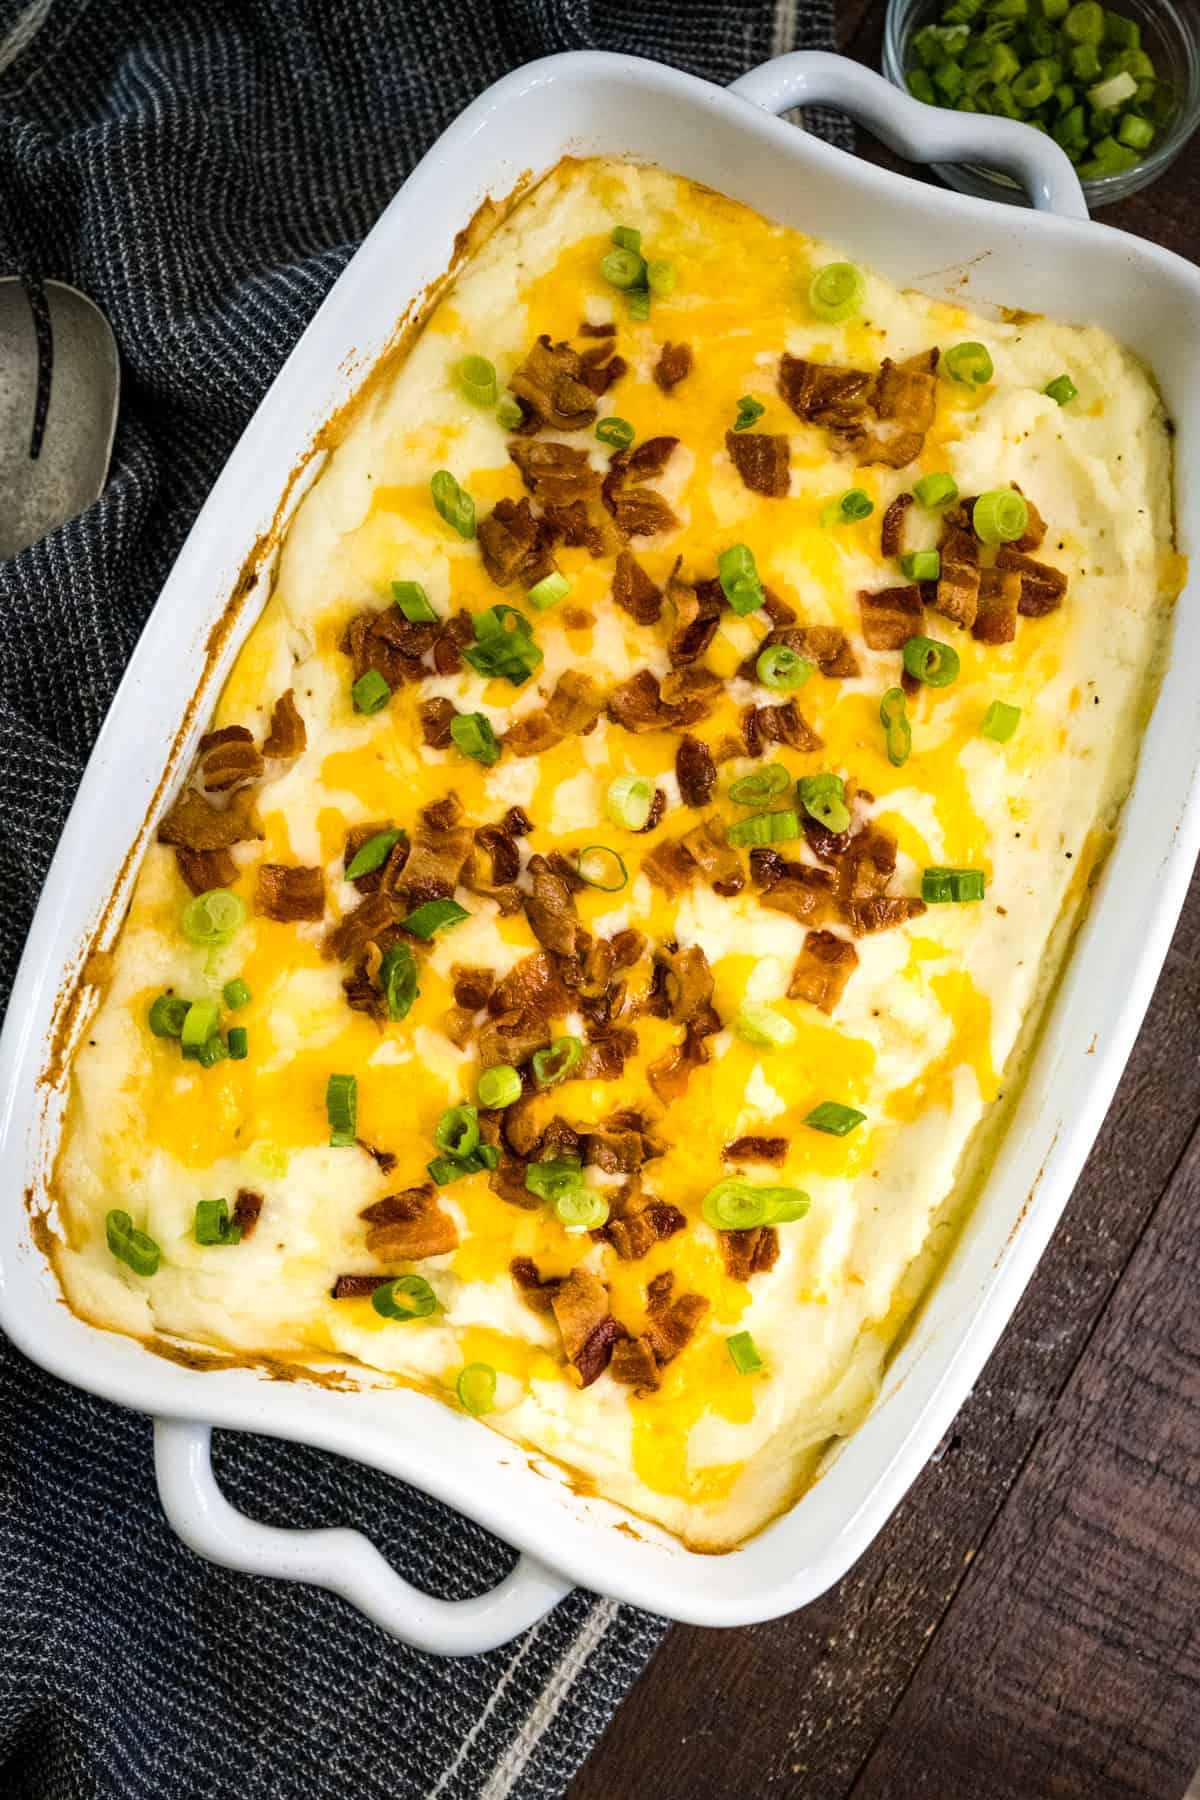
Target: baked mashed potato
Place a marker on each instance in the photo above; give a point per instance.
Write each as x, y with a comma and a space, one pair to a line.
633, 847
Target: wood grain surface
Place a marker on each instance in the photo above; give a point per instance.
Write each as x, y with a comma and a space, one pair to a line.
1027, 1627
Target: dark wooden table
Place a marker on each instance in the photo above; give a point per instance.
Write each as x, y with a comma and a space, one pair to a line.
1028, 1624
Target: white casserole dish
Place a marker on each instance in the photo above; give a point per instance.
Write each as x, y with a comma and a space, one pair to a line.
1049, 260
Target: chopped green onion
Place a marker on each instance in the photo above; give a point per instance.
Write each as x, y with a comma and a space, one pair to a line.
1122, 31
457, 1132
1062, 389
834, 1118
1084, 23
624, 269
941, 885
214, 1049
167, 1014
472, 734
639, 303
929, 660
760, 786
735, 1205
549, 589
739, 579
617, 432
556, 1061
823, 798
341, 1109
453, 503
743, 1353
211, 919
762, 1026
936, 490
239, 1043
1113, 92
137, 1251
476, 1388
765, 828
893, 716
749, 412
602, 868
236, 993
782, 668
848, 508
445, 1169
921, 565
503, 645
628, 801
398, 979
213, 1224
370, 692
581, 1209
1136, 134
414, 602
836, 292
1000, 721
920, 87
477, 380
626, 238
509, 414
407, 1297
550, 1180
373, 854
499, 1086
1033, 86
661, 278
1085, 62
434, 915
1000, 516
968, 363
199, 1023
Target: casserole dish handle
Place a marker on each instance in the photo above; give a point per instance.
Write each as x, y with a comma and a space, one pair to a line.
925, 134
343, 1561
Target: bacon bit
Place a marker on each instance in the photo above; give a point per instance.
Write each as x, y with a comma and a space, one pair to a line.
907, 391
755, 1149
669, 866
513, 544
441, 846
535, 1292
531, 985
353, 1287
627, 948
588, 1329
634, 1365
458, 1025
999, 600
571, 711
230, 761
387, 876
669, 1076
748, 1253
557, 475
784, 724
891, 531
762, 461
650, 458
882, 912
957, 593
389, 643
550, 384
383, 1159
821, 394
596, 331
695, 771
777, 610
449, 642
372, 917
1042, 587
672, 1322
289, 894
193, 823
228, 734
640, 703
697, 615
654, 818
510, 1037
632, 1235
823, 967
804, 894
634, 591
643, 513
599, 374
288, 736
687, 983
604, 1058
409, 1226
674, 362
362, 994
502, 852
616, 1152
508, 1181
715, 857
205, 869
1035, 528
825, 645
246, 1210
577, 618
550, 909
517, 822
891, 616
437, 716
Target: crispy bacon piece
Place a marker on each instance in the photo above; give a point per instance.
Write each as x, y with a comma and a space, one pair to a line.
1042, 587
697, 615
369, 920
670, 1074
891, 530
823, 967
891, 616
587, 329
883, 911
650, 458
627, 948
695, 771
804, 893
687, 984
550, 385
784, 724
557, 475
193, 823
510, 1037
634, 1364
354, 1287
822, 394
517, 822
634, 591
999, 600
748, 1253
437, 716
410, 1225
449, 641
641, 704
672, 1319
289, 893
205, 869
755, 1149
616, 1152
642, 513
384, 640
1035, 528
957, 594
246, 1211
588, 1329
669, 866
635, 1232
550, 909
536, 1293
472, 987
513, 544
571, 711
674, 362
228, 734
288, 736
531, 985
441, 845
761, 459
229, 759
604, 1057
502, 852
715, 857
825, 645
907, 391
600, 369
385, 878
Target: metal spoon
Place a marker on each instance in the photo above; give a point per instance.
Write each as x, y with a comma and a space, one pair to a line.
59, 387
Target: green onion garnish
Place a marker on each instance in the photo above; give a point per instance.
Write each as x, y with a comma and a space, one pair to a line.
407, 1297
213, 1224
617, 432
921, 565
214, 1049
236, 993
137, 1251
1084, 22
1000, 721
834, 1118
968, 363
661, 278
626, 238
783, 669
639, 303
477, 380
1113, 92
499, 1086
740, 1206
341, 1109
457, 1132
370, 693
762, 1026
1062, 389
929, 660
472, 734
414, 602
503, 645
849, 507
167, 1014
199, 1023
398, 979
739, 579
836, 292
453, 503
434, 915
602, 868
581, 1209
239, 1043
556, 1061
749, 412
551, 1180
373, 854
211, 919
628, 801
823, 798
476, 1388
765, 828
1000, 516
941, 885
743, 1353
624, 269
549, 589
760, 786
508, 413
936, 490
893, 716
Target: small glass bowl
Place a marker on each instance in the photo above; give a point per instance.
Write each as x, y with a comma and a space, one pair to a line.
1170, 35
